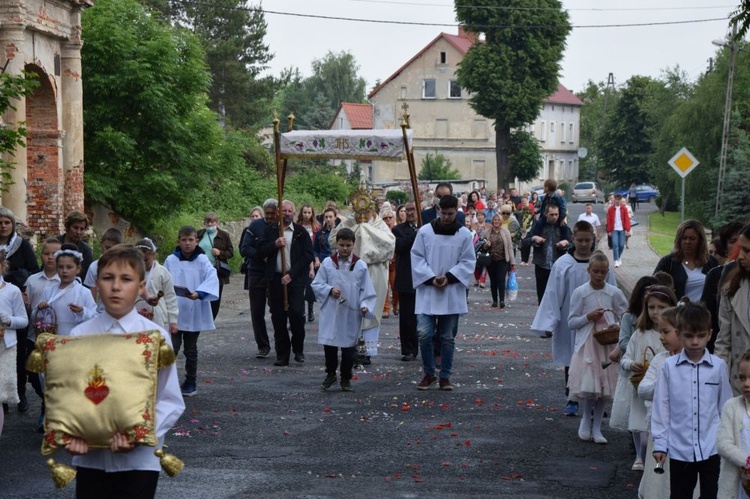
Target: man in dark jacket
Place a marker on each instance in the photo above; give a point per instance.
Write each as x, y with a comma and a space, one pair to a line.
407, 321
297, 245
256, 279
430, 214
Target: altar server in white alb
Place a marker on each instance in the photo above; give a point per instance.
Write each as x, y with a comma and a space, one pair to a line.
568, 273
12, 316
125, 470
375, 245
198, 283
346, 296
442, 266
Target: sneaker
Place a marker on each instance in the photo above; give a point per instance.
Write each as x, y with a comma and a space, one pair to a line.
571, 408
263, 353
346, 385
328, 382
189, 390
637, 465
617, 263
426, 382
481, 285
445, 384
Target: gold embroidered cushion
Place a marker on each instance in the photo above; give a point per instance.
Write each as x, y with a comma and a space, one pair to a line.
98, 385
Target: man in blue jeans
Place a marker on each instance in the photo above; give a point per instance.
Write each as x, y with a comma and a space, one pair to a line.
442, 266
618, 227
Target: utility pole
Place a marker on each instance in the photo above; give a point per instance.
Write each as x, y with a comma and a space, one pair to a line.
732, 45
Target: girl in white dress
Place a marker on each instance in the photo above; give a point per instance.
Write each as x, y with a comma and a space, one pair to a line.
657, 298
733, 439
71, 301
591, 307
12, 316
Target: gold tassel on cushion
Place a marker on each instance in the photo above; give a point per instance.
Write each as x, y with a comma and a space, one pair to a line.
61, 473
166, 354
35, 362
170, 463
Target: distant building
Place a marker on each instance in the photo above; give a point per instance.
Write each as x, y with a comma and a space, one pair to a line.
352, 116
444, 123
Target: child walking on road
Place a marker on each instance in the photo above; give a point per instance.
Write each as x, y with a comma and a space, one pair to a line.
346, 294
734, 436
592, 307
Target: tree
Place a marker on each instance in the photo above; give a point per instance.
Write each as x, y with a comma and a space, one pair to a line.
735, 205
524, 155
741, 19
12, 88
437, 167
598, 104
149, 136
232, 35
516, 68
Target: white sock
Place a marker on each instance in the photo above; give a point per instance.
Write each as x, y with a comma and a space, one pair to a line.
598, 416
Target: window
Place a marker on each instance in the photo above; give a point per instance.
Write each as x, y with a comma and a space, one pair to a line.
543, 131
429, 89
551, 127
341, 123
562, 132
454, 90
442, 58
570, 133
403, 92
479, 129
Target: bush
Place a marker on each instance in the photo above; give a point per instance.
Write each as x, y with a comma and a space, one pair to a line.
396, 197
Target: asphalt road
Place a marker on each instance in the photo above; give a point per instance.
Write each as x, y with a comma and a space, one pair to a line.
255, 430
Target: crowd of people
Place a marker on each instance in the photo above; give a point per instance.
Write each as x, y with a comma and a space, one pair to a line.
685, 330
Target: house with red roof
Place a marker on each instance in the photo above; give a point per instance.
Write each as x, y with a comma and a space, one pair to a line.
443, 122
353, 116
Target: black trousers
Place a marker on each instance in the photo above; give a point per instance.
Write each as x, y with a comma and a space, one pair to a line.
407, 324
98, 484
498, 271
525, 253
190, 338
295, 315
258, 290
332, 360
683, 476
542, 276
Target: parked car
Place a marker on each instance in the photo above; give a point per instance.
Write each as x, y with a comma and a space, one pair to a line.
647, 193
589, 192
539, 189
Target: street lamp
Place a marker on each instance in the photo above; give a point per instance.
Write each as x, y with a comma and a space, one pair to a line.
732, 45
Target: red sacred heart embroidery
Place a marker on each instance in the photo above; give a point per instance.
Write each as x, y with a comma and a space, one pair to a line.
96, 393
97, 389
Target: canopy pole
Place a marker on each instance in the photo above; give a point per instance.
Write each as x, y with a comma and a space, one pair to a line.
280, 174
410, 163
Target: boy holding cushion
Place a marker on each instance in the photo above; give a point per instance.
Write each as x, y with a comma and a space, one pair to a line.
125, 469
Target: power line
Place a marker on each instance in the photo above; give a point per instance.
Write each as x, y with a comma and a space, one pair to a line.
415, 23
589, 9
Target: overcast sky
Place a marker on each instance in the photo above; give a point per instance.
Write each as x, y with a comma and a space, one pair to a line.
591, 54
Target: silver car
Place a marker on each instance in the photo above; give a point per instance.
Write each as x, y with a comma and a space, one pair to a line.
587, 192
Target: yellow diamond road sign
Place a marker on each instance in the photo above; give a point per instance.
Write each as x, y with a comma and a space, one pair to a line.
683, 162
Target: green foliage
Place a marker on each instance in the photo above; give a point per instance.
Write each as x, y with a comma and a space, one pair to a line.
599, 102
231, 34
315, 100
735, 197
437, 167
149, 136
741, 19
396, 197
12, 135
315, 186
516, 68
525, 155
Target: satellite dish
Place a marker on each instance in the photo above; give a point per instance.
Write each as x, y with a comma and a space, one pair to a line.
583, 152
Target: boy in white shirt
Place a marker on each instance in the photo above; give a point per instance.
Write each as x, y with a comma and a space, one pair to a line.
691, 390
125, 470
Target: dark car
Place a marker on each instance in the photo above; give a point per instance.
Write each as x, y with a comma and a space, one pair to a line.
647, 193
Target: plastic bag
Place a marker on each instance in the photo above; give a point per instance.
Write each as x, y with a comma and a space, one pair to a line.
512, 286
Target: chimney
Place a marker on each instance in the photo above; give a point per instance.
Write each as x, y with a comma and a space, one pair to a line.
465, 34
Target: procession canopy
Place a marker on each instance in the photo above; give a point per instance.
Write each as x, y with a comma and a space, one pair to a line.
363, 145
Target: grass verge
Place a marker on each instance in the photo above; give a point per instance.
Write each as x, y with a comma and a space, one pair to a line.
661, 231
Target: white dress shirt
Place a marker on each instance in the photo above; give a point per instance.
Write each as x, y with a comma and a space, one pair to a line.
687, 402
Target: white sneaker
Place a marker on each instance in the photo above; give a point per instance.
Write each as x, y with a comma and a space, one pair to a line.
617, 263
637, 465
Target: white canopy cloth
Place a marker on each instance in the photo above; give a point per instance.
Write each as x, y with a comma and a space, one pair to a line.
365, 145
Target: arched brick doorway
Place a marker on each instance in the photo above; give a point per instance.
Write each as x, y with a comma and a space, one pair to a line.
45, 180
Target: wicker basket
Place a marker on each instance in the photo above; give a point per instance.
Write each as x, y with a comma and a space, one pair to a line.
636, 379
610, 334
45, 321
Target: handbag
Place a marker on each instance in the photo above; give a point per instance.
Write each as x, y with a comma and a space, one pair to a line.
483, 255
512, 286
223, 268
